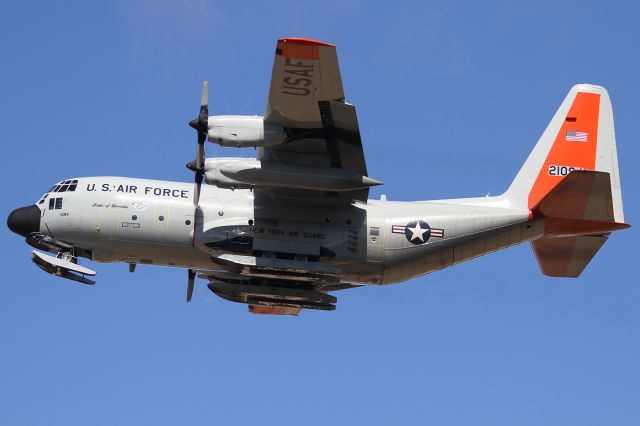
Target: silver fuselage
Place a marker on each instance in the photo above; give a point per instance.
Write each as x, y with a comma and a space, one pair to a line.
142, 221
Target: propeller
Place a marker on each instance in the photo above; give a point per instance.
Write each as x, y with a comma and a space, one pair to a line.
201, 125
190, 282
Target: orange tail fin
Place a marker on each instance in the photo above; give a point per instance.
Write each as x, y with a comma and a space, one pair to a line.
580, 136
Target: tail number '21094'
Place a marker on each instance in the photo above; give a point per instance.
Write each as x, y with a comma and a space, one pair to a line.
555, 170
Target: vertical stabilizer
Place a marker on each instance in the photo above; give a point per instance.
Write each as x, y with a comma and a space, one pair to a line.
580, 136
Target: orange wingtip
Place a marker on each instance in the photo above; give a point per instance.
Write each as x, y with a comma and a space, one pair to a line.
300, 48
301, 40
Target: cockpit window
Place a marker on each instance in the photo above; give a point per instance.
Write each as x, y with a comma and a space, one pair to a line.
67, 185
55, 203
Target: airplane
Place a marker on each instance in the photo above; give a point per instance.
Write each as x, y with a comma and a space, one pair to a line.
282, 231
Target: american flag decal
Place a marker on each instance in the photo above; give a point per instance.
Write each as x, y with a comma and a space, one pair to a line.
397, 229
573, 136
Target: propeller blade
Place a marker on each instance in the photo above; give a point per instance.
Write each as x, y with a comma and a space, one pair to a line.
201, 125
190, 283
204, 99
196, 188
200, 151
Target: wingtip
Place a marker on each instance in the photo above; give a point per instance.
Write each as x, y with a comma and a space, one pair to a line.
302, 40
301, 48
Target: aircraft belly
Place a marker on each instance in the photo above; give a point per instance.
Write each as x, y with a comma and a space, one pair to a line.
150, 254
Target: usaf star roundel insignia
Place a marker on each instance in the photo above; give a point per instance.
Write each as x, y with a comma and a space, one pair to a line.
417, 232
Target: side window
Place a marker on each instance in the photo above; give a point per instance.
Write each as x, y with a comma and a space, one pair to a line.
51, 203
58, 203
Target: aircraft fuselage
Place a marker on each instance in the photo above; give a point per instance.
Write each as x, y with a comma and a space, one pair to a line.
142, 221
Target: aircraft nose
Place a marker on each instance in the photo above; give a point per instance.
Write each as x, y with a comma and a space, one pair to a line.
24, 220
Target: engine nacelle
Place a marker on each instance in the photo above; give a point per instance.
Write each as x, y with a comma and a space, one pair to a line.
249, 173
213, 174
241, 131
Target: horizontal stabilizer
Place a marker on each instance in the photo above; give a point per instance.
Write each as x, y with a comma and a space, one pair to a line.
579, 215
581, 204
583, 194
566, 256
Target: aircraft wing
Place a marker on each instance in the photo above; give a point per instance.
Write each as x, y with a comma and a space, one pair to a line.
306, 98
322, 143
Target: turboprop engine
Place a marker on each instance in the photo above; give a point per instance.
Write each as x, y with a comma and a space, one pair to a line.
242, 131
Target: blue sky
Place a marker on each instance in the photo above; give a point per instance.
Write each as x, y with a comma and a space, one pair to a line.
451, 98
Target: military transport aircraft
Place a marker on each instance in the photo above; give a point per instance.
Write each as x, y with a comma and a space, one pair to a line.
281, 231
